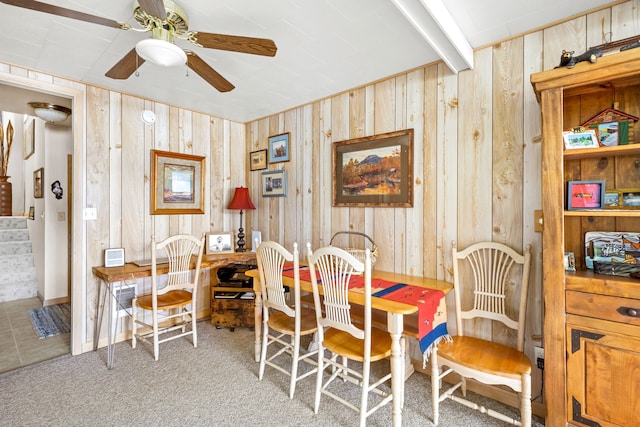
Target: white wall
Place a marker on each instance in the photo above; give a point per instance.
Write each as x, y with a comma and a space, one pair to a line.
49, 237
59, 143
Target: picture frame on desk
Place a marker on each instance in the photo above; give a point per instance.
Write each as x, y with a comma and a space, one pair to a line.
585, 195
219, 243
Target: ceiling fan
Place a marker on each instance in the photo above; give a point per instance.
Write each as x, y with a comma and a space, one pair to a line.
166, 20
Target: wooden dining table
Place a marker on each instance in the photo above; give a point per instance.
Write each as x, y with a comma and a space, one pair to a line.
395, 312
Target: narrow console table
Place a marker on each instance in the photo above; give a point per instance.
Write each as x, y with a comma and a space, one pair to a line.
130, 271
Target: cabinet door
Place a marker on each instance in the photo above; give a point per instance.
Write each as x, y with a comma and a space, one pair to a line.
603, 377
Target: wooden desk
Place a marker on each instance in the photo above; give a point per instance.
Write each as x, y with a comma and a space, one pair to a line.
130, 271
395, 321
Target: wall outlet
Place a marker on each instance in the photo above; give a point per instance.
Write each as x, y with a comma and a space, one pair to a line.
538, 353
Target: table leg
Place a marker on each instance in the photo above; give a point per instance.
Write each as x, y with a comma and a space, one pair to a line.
110, 335
395, 325
97, 325
258, 320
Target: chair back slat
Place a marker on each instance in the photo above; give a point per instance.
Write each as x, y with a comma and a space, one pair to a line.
332, 268
271, 257
179, 250
489, 268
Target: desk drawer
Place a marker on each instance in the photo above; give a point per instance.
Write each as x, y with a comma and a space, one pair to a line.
616, 309
233, 312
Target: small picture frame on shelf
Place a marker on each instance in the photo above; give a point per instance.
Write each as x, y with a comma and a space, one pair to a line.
612, 199
569, 261
580, 138
585, 195
630, 198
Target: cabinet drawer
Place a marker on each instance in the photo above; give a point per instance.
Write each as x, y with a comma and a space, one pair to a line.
233, 312
616, 309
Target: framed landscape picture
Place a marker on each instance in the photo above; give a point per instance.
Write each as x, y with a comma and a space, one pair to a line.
177, 183
374, 171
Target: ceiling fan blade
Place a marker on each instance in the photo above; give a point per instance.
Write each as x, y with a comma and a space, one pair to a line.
251, 45
126, 66
153, 8
209, 74
67, 13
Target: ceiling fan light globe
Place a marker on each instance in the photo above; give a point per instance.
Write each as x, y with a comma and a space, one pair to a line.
160, 52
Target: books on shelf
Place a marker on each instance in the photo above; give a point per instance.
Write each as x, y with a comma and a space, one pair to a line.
233, 295
227, 295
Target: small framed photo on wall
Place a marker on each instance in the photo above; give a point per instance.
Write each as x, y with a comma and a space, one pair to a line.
279, 148
38, 177
258, 160
274, 183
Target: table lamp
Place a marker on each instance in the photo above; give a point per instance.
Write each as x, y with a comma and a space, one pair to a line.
241, 201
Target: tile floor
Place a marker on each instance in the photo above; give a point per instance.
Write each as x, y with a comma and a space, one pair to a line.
19, 343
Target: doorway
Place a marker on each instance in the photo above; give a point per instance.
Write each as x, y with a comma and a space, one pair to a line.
76, 230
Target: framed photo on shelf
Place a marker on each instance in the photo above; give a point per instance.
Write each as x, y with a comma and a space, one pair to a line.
274, 183
612, 199
258, 160
32, 213
585, 195
375, 170
219, 243
580, 138
569, 261
279, 150
630, 198
177, 183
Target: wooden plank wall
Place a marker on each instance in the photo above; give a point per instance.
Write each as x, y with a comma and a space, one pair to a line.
476, 157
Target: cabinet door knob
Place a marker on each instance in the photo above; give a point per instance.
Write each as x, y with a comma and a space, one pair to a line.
628, 311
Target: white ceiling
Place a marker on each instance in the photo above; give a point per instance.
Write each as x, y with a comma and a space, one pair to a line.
324, 46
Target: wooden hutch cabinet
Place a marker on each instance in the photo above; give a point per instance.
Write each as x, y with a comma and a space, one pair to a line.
591, 321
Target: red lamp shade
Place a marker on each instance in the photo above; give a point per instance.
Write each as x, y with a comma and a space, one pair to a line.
241, 200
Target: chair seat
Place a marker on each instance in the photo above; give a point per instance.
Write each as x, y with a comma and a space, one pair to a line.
171, 299
346, 345
280, 322
486, 356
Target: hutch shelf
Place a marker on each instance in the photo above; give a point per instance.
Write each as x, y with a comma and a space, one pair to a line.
591, 321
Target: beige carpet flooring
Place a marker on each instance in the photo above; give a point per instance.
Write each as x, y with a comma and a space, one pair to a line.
213, 384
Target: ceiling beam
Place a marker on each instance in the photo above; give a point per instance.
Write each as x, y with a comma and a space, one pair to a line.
436, 25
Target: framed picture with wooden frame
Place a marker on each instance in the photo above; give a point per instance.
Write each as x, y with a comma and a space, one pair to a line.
585, 195
38, 178
29, 139
177, 183
279, 149
374, 170
612, 199
258, 160
629, 198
